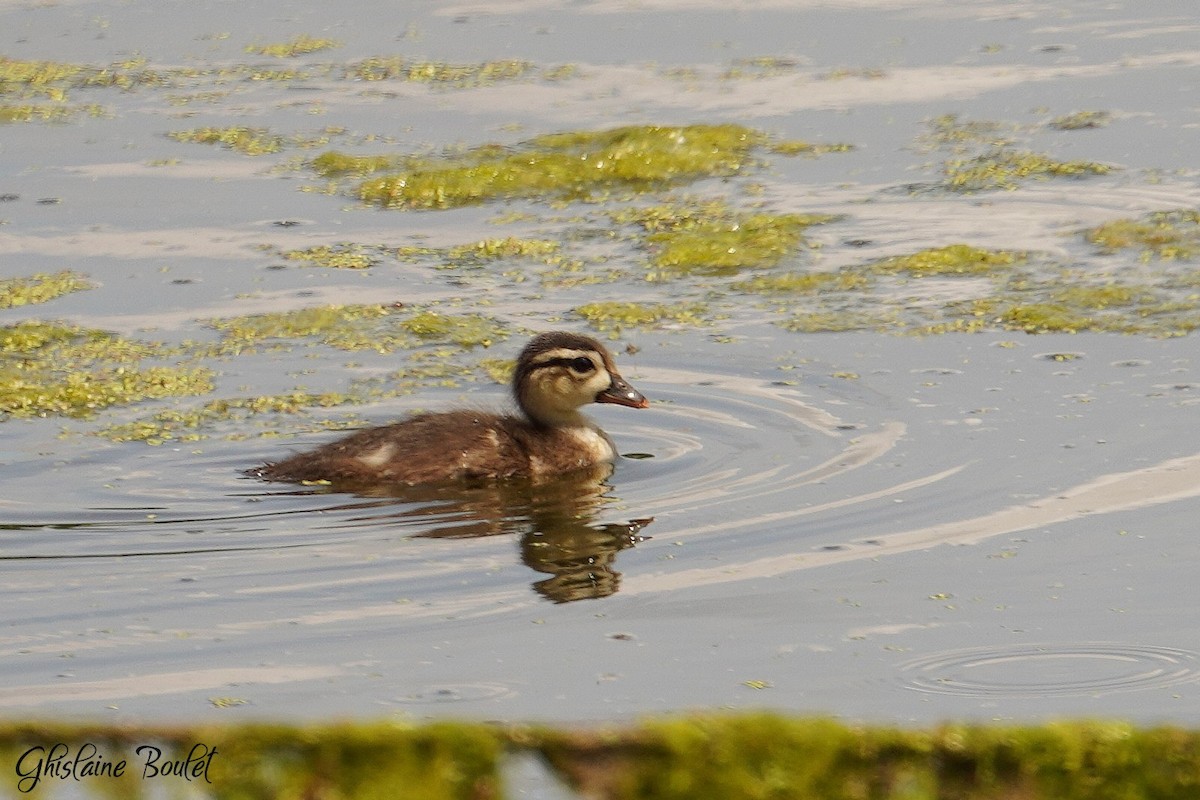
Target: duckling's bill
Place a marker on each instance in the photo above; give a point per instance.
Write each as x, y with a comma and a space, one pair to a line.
622, 394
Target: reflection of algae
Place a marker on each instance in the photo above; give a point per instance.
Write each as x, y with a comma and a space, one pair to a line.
40, 288
732, 757
575, 164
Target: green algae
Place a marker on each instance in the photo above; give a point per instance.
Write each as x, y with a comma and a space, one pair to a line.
32, 78
1165, 235
803, 283
614, 316
440, 72
40, 288
248, 141
333, 163
1006, 168
838, 321
709, 238
465, 330
953, 132
299, 46
381, 328
254, 141
189, 424
1048, 318
59, 370
954, 259
496, 249
570, 165
45, 113
337, 256
1081, 120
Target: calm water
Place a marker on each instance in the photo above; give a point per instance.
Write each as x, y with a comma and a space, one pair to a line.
891, 528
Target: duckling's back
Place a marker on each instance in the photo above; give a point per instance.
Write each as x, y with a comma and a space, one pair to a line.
445, 447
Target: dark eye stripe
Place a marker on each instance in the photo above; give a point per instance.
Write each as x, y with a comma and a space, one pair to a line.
577, 363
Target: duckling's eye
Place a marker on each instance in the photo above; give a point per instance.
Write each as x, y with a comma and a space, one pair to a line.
582, 365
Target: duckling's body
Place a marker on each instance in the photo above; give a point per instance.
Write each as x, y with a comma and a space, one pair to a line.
556, 374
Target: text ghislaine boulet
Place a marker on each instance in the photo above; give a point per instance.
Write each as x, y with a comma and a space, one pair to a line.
58, 761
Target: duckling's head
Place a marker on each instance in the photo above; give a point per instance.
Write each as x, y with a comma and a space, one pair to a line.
559, 372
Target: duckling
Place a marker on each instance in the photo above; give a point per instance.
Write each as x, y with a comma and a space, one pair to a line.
556, 374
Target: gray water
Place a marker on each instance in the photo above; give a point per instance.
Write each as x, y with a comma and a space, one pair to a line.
889, 528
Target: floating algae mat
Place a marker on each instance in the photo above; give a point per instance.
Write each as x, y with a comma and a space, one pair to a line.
753, 756
576, 164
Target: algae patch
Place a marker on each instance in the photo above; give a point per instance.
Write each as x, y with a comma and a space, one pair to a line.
954, 259
571, 165
382, 328
299, 46
58, 370
612, 317
1165, 235
712, 239
40, 288
1006, 168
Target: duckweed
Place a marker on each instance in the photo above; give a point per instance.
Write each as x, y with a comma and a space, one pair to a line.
838, 322
40, 288
187, 425
249, 141
710, 238
25, 78
339, 256
955, 259
45, 113
803, 283
506, 248
57, 370
1166, 235
614, 316
334, 163
440, 72
465, 330
1081, 120
382, 328
1005, 168
301, 45
951, 131
796, 147
346, 327
570, 165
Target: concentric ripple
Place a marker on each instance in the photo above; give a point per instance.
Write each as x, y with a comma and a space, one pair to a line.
1045, 670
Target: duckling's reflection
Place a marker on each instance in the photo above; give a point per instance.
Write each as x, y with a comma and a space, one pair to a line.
555, 520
